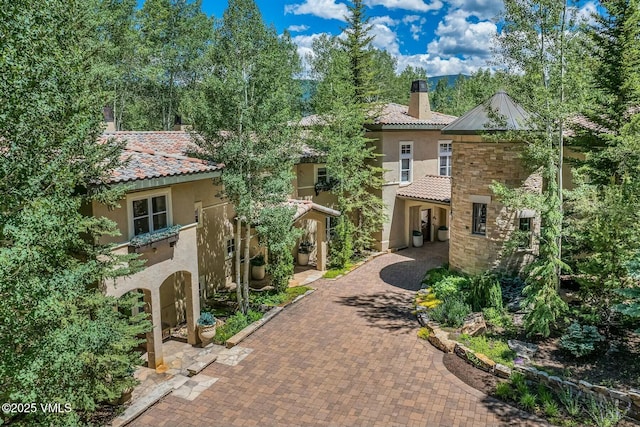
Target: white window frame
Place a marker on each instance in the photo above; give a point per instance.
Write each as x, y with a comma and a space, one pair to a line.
405, 156
315, 172
448, 155
148, 195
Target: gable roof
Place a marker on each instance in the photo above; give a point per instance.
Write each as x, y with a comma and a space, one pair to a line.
305, 206
498, 113
429, 187
149, 155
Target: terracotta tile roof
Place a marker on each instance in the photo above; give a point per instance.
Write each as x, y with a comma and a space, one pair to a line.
156, 155
429, 187
305, 206
392, 114
397, 114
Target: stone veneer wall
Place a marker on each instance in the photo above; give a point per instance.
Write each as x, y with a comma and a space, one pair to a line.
475, 166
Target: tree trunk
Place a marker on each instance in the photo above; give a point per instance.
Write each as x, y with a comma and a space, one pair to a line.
237, 255
247, 234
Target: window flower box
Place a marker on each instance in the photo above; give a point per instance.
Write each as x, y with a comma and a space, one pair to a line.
151, 240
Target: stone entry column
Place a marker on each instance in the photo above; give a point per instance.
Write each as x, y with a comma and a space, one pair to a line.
154, 337
192, 293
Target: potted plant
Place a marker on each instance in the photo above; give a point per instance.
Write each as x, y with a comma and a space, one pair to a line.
206, 327
257, 267
443, 233
304, 249
418, 239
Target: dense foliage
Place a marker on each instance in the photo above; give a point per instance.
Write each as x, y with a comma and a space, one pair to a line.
61, 341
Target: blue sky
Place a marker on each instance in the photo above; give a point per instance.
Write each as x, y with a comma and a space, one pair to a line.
442, 36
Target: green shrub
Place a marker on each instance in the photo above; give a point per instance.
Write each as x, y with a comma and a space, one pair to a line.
235, 324
551, 408
504, 391
519, 383
604, 414
497, 318
434, 275
544, 394
423, 333
451, 312
449, 286
570, 399
528, 401
580, 340
485, 292
493, 348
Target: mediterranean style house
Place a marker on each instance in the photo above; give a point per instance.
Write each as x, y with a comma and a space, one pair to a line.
437, 180
175, 215
438, 170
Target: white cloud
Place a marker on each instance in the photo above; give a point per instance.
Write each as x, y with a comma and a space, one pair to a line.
383, 20
417, 5
327, 9
457, 36
385, 38
416, 31
305, 49
297, 28
437, 66
585, 13
481, 9
408, 19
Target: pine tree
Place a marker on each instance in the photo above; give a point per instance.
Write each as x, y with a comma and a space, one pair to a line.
344, 100
61, 341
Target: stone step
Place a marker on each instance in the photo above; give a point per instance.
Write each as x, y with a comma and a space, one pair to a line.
202, 362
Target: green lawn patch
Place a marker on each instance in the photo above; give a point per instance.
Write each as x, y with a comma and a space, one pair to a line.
335, 272
493, 348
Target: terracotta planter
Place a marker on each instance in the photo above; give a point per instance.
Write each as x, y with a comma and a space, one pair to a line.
206, 332
303, 259
257, 272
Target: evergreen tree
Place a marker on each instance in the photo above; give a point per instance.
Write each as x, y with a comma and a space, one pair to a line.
61, 341
343, 99
243, 112
540, 40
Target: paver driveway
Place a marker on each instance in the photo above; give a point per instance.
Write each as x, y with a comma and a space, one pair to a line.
347, 355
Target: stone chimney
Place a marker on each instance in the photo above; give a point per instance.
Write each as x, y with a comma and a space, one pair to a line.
419, 101
107, 112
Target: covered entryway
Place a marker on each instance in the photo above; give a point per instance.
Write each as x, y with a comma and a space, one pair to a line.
315, 221
427, 209
170, 287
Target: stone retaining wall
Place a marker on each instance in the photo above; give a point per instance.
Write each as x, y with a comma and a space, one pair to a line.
625, 400
629, 400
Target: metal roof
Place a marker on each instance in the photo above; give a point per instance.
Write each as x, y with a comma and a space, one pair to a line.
498, 113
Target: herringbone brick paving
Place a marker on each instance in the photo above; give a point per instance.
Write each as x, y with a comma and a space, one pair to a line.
347, 355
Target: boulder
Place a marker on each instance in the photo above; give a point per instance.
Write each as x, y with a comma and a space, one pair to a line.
502, 371
483, 362
523, 349
440, 340
462, 351
474, 325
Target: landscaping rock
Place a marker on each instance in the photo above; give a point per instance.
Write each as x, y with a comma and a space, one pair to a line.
502, 371
523, 349
484, 363
423, 318
474, 325
635, 398
600, 390
440, 340
616, 394
515, 304
555, 382
584, 386
462, 351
